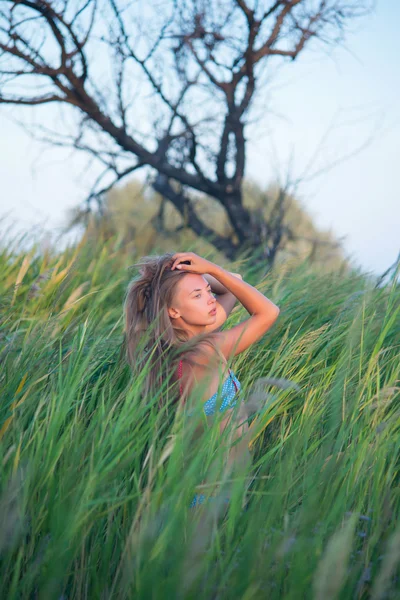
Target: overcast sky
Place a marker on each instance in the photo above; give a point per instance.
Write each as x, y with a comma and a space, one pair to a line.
349, 99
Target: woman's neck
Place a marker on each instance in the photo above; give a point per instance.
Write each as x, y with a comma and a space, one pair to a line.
194, 330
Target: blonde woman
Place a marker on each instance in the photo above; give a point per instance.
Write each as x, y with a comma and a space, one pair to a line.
179, 303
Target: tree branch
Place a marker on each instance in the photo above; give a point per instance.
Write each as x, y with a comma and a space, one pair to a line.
197, 133
31, 101
186, 209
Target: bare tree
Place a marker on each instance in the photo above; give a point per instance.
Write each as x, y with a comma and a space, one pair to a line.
167, 85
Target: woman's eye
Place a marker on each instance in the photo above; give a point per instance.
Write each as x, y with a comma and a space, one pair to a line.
198, 295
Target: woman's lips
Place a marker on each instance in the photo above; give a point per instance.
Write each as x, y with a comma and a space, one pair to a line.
213, 311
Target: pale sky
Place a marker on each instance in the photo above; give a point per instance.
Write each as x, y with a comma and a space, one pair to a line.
354, 93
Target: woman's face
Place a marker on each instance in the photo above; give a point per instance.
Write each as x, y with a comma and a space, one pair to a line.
193, 302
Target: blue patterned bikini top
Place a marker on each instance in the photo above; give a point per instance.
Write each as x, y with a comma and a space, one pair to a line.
229, 388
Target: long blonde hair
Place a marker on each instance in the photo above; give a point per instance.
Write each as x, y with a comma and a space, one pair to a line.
151, 338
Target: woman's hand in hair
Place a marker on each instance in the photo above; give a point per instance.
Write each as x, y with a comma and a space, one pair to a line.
189, 262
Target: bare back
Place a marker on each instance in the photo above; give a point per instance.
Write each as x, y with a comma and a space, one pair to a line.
206, 374
210, 371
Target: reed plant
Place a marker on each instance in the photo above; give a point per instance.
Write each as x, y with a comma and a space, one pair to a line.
96, 480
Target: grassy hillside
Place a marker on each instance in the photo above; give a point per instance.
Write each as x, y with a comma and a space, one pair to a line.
96, 483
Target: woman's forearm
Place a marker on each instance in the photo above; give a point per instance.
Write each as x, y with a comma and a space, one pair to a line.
253, 301
216, 286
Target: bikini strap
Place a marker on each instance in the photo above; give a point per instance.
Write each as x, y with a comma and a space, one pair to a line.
234, 382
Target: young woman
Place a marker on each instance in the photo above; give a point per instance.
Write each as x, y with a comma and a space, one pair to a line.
174, 306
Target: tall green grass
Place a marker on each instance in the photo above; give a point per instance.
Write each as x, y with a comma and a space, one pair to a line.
96, 483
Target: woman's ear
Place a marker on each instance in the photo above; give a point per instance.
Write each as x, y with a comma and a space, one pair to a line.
173, 313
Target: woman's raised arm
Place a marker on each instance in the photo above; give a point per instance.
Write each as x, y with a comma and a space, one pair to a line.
263, 314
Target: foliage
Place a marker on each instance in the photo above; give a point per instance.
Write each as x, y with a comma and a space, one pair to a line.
94, 498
